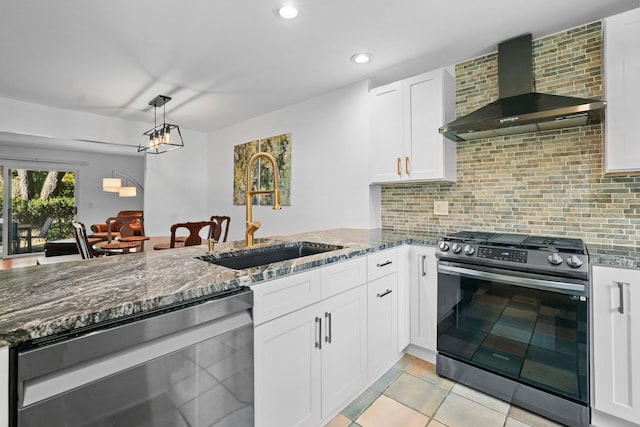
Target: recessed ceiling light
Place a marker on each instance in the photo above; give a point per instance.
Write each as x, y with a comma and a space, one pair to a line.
361, 58
288, 12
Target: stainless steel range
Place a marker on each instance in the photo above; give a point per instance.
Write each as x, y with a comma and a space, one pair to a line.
513, 320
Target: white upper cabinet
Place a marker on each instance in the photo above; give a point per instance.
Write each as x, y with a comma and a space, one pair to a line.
405, 117
622, 86
386, 133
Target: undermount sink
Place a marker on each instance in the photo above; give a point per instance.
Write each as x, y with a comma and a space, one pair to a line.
254, 257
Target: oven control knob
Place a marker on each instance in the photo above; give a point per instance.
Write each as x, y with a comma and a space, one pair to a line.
456, 248
574, 262
555, 258
469, 250
444, 247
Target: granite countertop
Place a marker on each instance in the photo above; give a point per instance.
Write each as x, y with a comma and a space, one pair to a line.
614, 256
45, 300
50, 299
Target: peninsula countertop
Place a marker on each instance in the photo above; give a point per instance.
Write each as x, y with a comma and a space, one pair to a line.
50, 299
45, 300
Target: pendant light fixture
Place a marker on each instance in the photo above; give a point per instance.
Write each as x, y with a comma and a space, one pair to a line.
162, 137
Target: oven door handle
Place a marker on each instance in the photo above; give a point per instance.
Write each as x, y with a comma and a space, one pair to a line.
513, 280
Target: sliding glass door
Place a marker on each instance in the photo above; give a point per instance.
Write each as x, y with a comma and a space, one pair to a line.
37, 206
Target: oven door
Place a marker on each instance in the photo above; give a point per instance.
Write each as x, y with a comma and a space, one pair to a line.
525, 327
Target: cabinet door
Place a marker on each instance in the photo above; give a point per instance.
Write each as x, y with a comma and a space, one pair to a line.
287, 370
616, 347
382, 303
622, 62
344, 348
386, 133
427, 154
424, 297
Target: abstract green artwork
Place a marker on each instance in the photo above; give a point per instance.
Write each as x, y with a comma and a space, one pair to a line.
280, 148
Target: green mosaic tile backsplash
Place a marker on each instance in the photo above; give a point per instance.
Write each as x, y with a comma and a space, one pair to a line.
546, 183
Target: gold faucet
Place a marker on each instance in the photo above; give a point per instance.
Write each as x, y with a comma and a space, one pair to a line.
252, 225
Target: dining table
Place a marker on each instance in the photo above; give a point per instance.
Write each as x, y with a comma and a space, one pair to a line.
139, 239
116, 247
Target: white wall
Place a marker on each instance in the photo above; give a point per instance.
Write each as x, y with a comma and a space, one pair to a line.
329, 187
33, 119
176, 185
329, 162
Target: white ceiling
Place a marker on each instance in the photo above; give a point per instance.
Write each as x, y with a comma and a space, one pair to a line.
226, 61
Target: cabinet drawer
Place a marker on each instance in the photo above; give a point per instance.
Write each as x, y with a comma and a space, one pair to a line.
277, 297
381, 263
342, 276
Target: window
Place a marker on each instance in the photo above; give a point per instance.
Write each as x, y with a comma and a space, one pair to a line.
37, 205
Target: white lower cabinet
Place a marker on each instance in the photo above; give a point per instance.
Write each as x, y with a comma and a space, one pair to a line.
382, 301
323, 335
616, 346
424, 297
287, 371
344, 350
309, 363
383, 323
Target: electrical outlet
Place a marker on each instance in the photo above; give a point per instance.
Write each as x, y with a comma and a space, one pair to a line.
441, 207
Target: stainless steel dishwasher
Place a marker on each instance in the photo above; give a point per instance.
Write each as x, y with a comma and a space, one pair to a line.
185, 367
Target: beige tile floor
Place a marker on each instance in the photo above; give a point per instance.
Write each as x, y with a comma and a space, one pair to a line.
412, 394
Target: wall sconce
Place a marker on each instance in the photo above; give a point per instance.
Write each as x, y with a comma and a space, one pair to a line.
162, 137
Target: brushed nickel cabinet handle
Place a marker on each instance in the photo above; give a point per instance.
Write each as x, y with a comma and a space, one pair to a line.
327, 317
621, 293
424, 267
319, 341
387, 292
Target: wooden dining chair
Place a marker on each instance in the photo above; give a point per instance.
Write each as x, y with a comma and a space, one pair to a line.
124, 226
217, 232
194, 229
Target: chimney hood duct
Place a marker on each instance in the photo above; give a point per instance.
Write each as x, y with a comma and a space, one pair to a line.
519, 109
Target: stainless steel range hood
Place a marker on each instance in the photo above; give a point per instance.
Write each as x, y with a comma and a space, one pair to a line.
519, 109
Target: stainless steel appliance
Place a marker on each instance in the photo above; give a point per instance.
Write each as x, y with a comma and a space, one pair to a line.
519, 108
513, 320
185, 367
